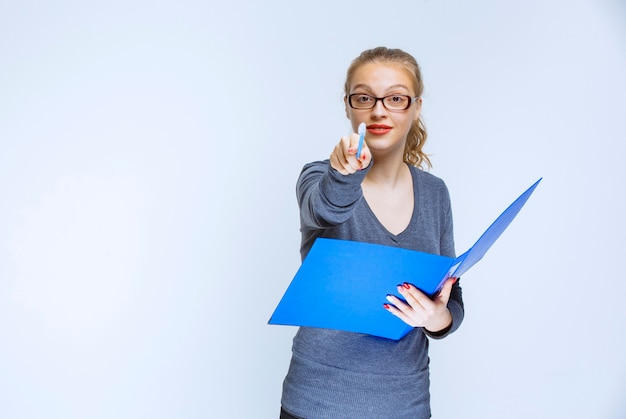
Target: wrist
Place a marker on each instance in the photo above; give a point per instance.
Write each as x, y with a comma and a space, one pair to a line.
441, 325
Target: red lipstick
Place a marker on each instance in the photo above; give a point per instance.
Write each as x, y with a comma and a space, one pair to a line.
378, 129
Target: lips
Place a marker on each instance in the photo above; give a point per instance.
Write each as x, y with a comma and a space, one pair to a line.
378, 129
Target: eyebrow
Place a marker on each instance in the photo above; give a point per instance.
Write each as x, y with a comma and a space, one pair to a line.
366, 87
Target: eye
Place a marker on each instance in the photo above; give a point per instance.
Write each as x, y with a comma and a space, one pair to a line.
397, 100
363, 98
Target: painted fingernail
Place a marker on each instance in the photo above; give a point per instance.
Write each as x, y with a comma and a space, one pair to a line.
351, 150
406, 286
387, 306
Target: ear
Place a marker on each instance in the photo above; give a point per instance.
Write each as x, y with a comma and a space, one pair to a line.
418, 108
346, 106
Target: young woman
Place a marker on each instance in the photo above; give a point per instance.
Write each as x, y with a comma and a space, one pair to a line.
380, 196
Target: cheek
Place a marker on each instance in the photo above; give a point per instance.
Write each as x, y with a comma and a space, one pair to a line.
354, 119
407, 123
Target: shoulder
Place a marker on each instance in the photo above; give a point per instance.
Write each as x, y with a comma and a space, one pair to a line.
427, 182
310, 176
315, 167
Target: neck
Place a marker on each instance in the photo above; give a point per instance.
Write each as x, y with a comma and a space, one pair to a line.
387, 171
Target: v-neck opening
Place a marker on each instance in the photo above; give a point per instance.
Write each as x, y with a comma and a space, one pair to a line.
412, 220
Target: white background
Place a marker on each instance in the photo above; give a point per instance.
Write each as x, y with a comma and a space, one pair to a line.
148, 221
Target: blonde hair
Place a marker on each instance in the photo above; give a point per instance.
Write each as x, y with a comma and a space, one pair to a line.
416, 138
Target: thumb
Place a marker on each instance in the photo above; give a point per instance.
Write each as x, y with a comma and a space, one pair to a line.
444, 294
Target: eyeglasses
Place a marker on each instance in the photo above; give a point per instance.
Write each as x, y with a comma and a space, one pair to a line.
391, 103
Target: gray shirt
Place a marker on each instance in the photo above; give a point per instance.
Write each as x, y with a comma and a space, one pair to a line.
336, 374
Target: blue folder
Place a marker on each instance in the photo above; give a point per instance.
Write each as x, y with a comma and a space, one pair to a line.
327, 292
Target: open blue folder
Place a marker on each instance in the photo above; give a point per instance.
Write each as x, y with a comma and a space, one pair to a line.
329, 293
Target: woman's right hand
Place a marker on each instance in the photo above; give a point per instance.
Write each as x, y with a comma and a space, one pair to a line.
344, 158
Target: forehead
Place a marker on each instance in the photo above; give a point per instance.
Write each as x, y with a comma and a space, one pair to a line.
380, 77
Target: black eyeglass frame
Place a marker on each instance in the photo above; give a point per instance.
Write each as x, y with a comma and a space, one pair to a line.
382, 99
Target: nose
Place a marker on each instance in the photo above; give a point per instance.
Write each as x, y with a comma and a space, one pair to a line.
379, 110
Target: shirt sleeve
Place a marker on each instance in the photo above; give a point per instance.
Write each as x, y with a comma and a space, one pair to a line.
326, 197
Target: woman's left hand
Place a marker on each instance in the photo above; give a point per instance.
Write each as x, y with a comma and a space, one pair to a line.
419, 310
